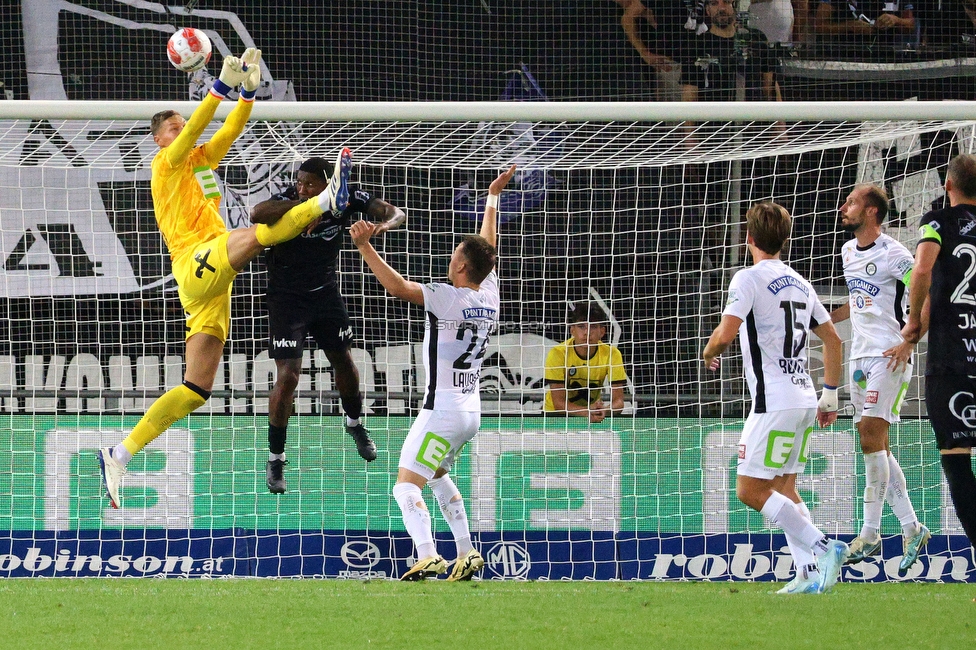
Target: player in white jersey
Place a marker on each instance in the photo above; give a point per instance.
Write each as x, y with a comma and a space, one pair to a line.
460, 317
772, 308
877, 269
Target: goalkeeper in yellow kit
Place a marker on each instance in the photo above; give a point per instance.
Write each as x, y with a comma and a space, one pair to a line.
206, 257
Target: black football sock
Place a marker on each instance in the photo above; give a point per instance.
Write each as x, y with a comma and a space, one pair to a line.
276, 439
958, 469
353, 405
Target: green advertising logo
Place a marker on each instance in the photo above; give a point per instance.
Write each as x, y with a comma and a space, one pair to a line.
433, 450
657, 475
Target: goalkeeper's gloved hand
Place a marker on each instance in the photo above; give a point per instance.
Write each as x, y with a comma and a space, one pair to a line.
232, 73
828, 399
252, 60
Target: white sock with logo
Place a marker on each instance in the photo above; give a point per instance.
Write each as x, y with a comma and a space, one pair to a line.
416, 518
452, 507
897, 498
784, 513
803, 557
875, 488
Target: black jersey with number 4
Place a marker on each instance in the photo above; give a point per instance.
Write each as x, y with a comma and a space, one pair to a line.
309, 262
952, 331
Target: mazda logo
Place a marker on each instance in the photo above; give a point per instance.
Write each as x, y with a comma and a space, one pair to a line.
360, 554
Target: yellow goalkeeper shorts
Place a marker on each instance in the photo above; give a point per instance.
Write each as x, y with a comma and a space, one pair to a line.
205, 278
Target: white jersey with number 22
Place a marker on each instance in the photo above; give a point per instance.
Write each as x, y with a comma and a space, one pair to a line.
459, 324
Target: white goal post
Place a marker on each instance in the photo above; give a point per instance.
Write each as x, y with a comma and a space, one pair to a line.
636, 206
514, 111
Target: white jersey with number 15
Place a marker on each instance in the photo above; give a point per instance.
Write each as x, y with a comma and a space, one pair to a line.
459, 323
778, 308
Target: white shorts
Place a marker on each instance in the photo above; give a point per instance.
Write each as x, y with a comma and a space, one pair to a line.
435, 438
775, 443
877, 392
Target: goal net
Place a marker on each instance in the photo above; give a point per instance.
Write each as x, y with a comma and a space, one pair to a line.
642, 216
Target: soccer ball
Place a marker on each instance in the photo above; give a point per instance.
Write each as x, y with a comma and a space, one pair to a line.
189, 49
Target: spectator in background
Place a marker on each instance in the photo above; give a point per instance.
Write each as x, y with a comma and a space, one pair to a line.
666, 25
714, 60
579, 367
870, 29
783, 22
946, 25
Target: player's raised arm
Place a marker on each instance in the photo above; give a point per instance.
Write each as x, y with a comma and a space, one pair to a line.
392, 281
387, 215
231, 74
489, 225
234, 125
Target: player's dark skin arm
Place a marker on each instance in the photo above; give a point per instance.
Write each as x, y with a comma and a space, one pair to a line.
386, 215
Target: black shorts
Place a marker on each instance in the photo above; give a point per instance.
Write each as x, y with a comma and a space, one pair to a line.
951, 402
322, 315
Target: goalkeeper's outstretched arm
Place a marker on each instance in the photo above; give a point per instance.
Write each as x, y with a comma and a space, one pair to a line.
248, 69
231, 74
489, 225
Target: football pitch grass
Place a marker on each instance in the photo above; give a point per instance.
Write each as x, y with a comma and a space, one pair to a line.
257, 613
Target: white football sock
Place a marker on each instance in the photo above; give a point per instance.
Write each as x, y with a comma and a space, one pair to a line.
784, 513
897, 497
275, 456
352, 423
802, 555
875, 488
452, 507
121, 454
416, 518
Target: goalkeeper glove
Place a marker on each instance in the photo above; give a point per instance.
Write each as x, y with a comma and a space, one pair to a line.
251, 59
828, 399
232, 73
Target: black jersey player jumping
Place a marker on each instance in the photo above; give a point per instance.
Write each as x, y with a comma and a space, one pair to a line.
304, 298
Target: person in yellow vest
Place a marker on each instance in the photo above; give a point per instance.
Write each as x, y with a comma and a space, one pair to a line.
578, 368
206, 256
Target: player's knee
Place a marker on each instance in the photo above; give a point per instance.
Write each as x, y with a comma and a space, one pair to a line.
748, 496
287, 379
342, 362
873, 434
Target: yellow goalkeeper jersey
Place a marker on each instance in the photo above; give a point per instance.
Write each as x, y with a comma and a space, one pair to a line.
584, 378
186, 197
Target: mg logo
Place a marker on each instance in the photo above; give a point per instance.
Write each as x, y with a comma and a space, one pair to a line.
508, 560
360, 554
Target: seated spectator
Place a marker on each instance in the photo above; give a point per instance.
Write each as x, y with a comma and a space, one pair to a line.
865, 29
578, 368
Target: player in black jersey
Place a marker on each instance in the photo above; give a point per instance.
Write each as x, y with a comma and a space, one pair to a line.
944, 263
303, 299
